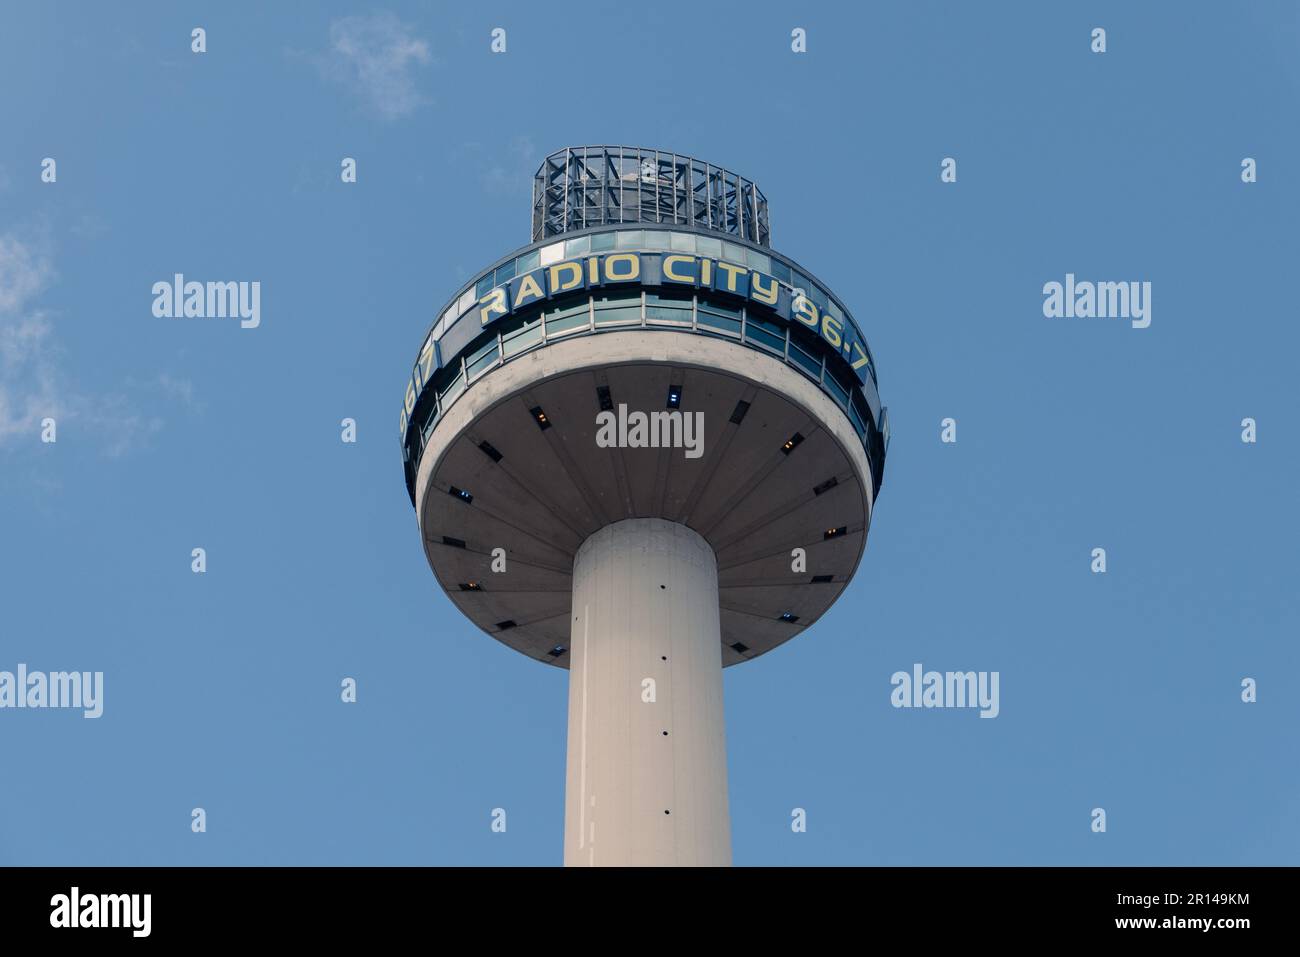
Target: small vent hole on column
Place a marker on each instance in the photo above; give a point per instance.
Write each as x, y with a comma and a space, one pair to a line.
668, 812
665, 734
663, 586
663, 657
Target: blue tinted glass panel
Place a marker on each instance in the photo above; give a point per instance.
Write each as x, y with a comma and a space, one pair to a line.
765, 333
713, 305
836, 389
805, 360
712, 321
521, 339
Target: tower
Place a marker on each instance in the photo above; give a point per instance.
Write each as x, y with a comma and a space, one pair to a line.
644, 447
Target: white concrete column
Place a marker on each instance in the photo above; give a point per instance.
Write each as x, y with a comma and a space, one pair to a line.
645, 622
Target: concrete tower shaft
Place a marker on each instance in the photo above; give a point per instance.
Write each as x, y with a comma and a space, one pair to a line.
647, 760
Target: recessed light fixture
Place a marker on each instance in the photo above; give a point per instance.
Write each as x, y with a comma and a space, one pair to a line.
490, 451
740, 647
822, 579
791, 442
556, 651
606, 401
460, 493
506, 625
470, 586
826, 486
540, 418
674, 396
786, 616
834, 532
453, 542
739, 414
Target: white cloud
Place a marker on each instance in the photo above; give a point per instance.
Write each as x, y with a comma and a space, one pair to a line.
24, 271
28, 371
378, 54
33, 384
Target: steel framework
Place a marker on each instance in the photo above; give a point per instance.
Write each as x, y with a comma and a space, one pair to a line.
582, 186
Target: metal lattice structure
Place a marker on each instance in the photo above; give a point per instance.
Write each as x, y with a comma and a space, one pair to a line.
584, 186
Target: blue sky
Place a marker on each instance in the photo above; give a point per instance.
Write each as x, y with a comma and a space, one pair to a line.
1119, 690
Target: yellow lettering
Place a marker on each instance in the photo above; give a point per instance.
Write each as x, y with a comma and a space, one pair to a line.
831, 330
575, 276
631, 260
425, 365
706, 272
494, 304
805, 311
593, 274
758, 293
528, 290
732, 272
671, 274
861, 362
410, 397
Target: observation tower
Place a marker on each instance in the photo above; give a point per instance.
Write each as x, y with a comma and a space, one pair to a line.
644, 447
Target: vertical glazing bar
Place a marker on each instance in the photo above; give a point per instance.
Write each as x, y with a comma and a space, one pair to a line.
708, 195
673, 179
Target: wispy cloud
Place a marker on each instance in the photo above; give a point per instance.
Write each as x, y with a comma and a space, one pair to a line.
378, 55
33, 384
28, 371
